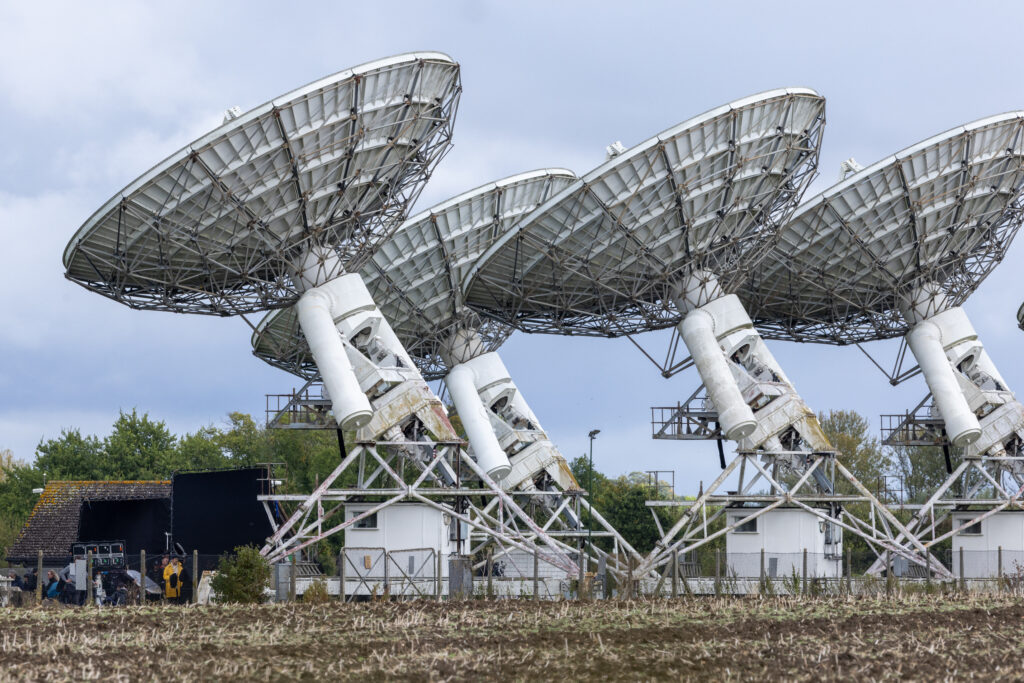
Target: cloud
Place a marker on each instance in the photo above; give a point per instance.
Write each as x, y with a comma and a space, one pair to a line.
69, 60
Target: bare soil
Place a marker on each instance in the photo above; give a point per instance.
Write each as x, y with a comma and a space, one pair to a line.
912, 638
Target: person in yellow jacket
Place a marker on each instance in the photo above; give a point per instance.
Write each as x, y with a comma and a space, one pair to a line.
172, 580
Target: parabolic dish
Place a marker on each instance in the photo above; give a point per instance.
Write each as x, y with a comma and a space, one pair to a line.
215, 227
602, 257
943, 211
416, 276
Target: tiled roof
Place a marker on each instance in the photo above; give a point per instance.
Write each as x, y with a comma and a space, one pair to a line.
53, 524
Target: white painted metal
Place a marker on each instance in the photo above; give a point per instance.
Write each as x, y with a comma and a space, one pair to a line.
925, 341
734, 415
462, 388
352, 409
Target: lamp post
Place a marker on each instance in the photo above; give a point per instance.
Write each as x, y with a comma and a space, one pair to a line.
590, 493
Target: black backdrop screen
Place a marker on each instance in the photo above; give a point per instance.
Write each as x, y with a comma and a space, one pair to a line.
139, 523
214, 512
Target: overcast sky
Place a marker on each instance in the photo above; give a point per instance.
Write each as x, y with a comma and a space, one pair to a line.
94, 94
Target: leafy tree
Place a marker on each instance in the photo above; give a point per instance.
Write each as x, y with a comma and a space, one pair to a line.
242, 578
200, 450
860, 452
72, 456
623, 502
921, 470
16, 499
138, 448
7, 461
244, 442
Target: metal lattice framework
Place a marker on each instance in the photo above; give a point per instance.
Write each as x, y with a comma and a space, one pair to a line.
416, 276
602, 257
1020, 316
215, 227
942, 212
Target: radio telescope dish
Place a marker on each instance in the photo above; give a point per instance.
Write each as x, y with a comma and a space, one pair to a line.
604, 256
415, 276
940, 214
894, 250
219, 226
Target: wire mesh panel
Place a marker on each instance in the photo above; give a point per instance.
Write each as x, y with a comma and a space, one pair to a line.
365, 570
412, 572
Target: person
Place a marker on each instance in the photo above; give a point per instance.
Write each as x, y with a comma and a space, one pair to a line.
16, 581
69, 580
51, 588
172, 580
160, 576
97, 589
185, 579
31, 580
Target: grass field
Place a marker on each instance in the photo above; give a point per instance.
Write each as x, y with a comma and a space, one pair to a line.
920, 638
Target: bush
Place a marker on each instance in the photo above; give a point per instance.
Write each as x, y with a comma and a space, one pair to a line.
316, 593
242, 578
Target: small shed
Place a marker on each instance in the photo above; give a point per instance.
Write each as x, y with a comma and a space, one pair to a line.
783, 534
988, 545
403, 538
54, 523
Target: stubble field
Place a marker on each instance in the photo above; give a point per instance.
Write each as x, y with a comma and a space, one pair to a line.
921, 638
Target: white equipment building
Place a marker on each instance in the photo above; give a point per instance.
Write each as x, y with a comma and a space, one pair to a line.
782, 541
990, 547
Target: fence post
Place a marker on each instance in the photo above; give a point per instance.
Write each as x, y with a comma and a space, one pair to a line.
88, 578
341, 574
718, 571
963, 580
142, 577
536, 574
39, 578
195, 576
675, 574
803, 584
583, 568
849, 571
761, 582
440, 575
1000, 560
490, 572
291, 580
888, 573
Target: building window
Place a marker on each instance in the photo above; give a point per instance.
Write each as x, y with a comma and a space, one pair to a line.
745, 527
972, 530
368, 522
